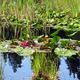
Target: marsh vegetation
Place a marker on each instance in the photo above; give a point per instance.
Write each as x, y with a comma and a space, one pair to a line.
45, 31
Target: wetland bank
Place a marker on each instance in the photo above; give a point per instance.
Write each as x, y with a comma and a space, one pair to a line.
39, 40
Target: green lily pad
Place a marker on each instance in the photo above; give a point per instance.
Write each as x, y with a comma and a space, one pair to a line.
22, 51
26, 51
17, 49
3, 48
65, 52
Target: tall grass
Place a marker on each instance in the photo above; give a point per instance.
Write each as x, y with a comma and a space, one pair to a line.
19, 8
72, 6
26, 8
23, 8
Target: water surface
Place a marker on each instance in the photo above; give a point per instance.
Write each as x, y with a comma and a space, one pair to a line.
69, 69
15, 67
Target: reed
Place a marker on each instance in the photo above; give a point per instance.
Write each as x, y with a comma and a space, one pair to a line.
23, 8
26, 10
72, 6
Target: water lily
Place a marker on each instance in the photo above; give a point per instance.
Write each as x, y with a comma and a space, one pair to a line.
24, 44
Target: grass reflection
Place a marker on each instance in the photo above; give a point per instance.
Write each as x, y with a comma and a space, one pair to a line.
0, 68
44, 67
0, 74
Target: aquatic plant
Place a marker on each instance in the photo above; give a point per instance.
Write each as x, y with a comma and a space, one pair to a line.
25, 15
65, 52
54, 40
24, 44
43, 67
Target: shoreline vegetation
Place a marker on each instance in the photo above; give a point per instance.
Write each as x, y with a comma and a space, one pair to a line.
41, 26
37, 17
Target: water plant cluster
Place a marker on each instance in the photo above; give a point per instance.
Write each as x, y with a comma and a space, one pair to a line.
24, 20
22, 17
46, 67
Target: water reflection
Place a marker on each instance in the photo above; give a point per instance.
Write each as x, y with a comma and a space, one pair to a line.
44, 66
15, 67
0, 68
14, 60
69, 68
74, 66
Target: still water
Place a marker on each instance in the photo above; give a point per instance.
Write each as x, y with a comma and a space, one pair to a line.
15, 67
69, 68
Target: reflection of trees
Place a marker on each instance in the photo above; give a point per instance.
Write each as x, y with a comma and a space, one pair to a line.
44, 66
5, 56
1, 67
14, 60
74, 66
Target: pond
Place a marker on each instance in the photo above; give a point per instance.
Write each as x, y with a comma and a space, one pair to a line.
69, 69
15, 67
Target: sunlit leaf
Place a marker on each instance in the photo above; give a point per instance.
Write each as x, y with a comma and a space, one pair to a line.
65, 52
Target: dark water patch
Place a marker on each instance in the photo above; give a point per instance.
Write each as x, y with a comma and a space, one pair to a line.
15, 67
76, 36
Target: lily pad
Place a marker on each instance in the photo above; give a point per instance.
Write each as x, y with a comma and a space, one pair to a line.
22, 51
65, 52
17, 49
3, 48
26, 51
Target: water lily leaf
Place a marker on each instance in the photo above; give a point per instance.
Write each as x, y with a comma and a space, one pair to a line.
65, 52
3, 48
17, 49
26, 51
22, 51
